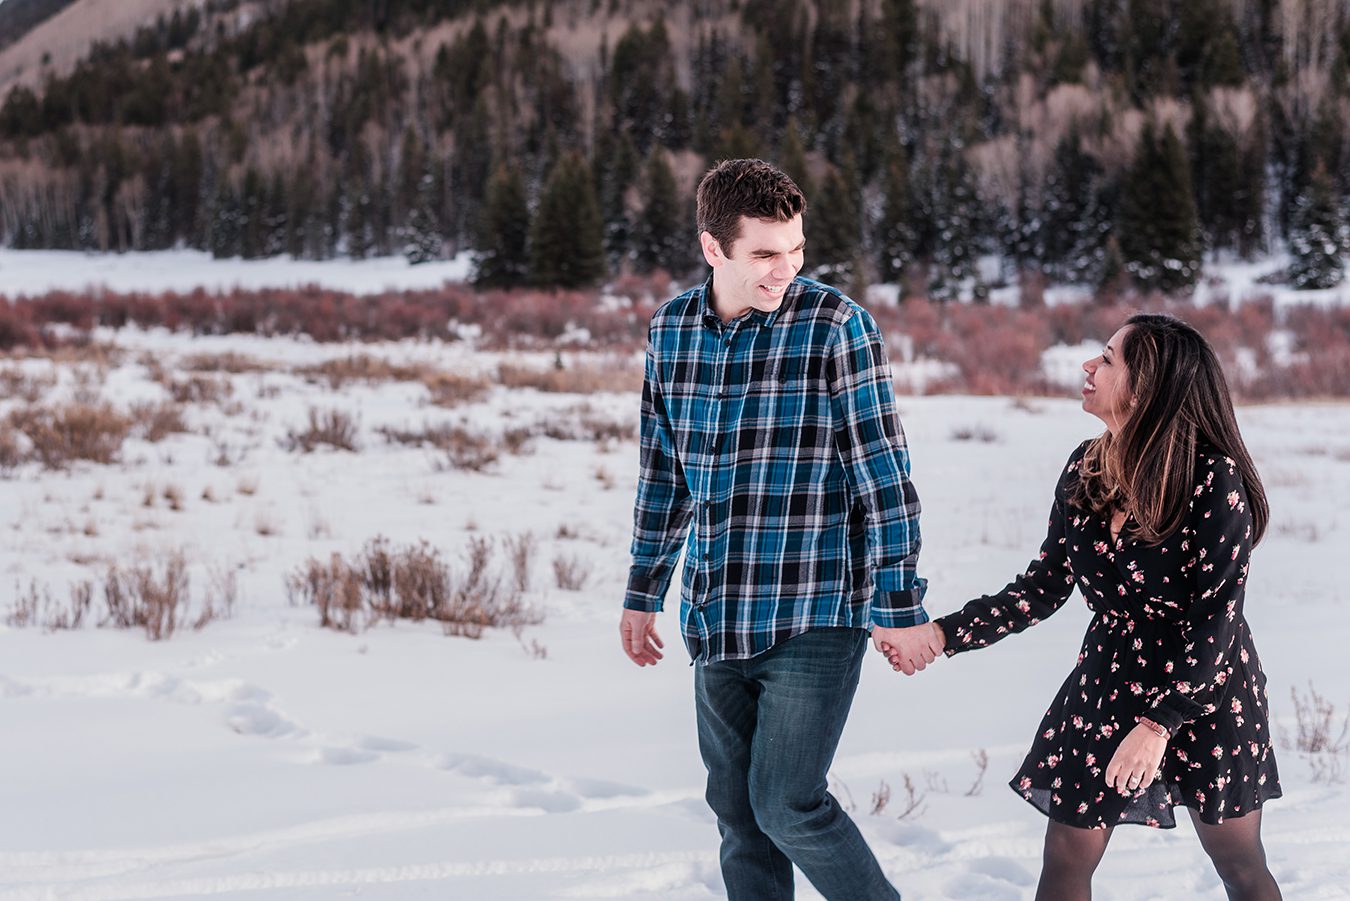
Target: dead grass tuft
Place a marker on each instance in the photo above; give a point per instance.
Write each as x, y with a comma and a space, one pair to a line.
576, 378
414, 583
366, 368
28, 387
334, 428
141, 597
1324, 745
571, 572
62, 435
462, 448
155, 422
450, 389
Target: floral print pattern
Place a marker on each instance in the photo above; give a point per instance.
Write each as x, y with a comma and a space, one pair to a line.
1167, 640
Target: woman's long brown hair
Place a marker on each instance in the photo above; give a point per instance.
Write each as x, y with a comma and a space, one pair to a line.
1182, 402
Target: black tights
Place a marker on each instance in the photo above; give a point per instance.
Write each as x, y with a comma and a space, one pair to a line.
1234, 847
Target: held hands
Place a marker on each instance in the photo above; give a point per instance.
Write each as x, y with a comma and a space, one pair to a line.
637, 630
910, 649
1135, 763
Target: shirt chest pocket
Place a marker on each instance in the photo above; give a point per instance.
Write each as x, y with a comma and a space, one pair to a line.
785, 396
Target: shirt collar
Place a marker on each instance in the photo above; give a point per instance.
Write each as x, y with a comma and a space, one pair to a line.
760, 317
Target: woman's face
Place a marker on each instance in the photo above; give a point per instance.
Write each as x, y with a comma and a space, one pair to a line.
1106, 391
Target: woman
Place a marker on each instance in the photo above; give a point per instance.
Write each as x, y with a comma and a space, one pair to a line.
1153, 520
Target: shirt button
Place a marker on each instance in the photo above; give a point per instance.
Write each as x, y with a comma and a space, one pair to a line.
707, 556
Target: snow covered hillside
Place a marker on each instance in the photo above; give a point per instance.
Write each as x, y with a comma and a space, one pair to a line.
264, 757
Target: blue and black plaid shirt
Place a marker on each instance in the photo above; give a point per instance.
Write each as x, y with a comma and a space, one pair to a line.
776, 436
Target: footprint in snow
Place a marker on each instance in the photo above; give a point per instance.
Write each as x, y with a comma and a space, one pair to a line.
1004, 868
344, 756
257, 719
376, 743
600, 790
976, 885
492, 771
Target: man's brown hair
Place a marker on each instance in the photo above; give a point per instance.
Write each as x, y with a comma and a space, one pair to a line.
751, 188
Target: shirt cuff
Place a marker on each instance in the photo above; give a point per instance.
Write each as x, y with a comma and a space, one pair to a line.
897, 609
647, 595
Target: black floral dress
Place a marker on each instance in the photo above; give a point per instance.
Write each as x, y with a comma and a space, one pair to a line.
1168, 641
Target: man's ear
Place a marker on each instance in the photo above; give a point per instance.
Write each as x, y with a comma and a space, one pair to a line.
712, 251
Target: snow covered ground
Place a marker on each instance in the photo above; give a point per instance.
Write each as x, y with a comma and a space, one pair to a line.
32, 272
266, 758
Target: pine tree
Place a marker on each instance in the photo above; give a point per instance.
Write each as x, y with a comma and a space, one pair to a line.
276, 217
895, 231
186, 189
1159, 236
1316, 237
226, 232
1073, 218
663, 237
254, 201
792, 160
949, 211
567, 235
832, 228
503, 232
616, 168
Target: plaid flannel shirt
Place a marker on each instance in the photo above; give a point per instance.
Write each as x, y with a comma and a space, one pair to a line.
776, 437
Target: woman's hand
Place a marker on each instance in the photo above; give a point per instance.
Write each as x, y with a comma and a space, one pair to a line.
1136, 761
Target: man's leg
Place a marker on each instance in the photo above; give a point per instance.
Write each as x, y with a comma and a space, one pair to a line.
726, 700
806, 689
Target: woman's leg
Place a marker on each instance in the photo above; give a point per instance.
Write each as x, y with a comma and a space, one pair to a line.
1235, 848
1071, 856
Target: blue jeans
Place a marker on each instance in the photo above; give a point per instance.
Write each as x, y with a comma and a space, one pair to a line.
768, 728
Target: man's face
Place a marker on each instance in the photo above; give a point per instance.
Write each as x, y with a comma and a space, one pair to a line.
755, 271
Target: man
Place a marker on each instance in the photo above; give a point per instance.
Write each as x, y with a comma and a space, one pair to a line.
769, 423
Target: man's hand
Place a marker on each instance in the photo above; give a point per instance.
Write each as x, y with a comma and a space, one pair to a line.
640, 641
1135, 763
910, 649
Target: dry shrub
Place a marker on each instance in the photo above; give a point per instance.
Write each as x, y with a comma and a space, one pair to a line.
980, 433
571, 572
462, 448
11, 455
415, 583
222, 594
520, 549
233, 363
365, 368
334, 587
334, 428
37, 607
155, 422
450, 389
140, 597
578, 378
61, 435
997, 350
584, 422
18, 325
1318, 738
28, 387
192, 389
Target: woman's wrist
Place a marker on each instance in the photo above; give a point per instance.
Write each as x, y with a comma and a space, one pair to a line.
1156, 728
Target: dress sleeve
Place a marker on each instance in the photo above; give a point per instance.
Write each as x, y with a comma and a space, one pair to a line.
1028, 599
1220, 533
